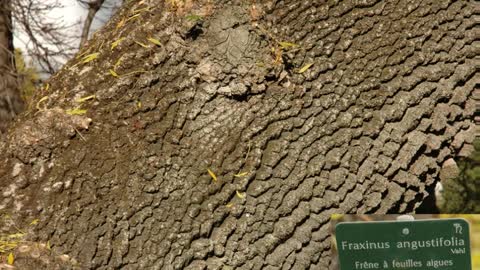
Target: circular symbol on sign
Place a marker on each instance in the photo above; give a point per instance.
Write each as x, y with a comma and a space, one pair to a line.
405, 231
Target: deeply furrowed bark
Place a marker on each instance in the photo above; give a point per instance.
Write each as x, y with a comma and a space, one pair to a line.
365, 129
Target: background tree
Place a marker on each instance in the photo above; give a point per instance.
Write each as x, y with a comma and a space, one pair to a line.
10, 101
224, 134
93, 8
48, 45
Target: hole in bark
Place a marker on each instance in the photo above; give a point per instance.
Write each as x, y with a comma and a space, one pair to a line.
270, 77
195, 32
287, 64
240, 98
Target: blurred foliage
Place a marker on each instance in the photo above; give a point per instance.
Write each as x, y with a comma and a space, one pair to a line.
28, 76
462, 195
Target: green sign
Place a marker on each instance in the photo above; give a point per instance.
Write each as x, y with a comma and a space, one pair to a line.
442, 244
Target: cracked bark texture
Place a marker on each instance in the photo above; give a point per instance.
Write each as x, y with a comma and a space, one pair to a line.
366, 129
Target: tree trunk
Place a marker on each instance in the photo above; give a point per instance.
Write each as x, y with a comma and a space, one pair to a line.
10, 101
224, 147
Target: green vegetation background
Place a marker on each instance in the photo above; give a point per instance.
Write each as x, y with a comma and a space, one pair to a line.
462, 195
28, 76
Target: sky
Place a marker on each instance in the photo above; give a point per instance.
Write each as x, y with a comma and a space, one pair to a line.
71, 13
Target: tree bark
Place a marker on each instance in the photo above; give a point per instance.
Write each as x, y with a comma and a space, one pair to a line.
10, 101
224, 148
